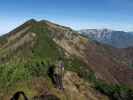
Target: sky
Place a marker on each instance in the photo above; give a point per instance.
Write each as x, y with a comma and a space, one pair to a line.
77, 14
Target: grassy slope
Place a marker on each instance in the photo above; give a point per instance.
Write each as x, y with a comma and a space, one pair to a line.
27, 64
30, 64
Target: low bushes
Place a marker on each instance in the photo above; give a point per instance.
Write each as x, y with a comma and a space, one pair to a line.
115, 92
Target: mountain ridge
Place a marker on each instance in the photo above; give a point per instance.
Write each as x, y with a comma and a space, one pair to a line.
29, 50
58, 35
118, 39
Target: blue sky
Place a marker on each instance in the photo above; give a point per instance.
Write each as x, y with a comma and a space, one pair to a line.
78, 14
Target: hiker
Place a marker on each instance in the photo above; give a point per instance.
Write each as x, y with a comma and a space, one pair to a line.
17, 95
58, 74
51, 73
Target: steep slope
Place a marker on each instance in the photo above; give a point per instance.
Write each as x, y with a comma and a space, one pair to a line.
98, 57
119, 39
29, 50
26, 54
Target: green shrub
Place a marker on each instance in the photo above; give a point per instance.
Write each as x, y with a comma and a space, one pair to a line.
115, 92
37, 68
11, 73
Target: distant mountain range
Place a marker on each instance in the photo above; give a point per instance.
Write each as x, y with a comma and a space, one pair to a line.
118, 39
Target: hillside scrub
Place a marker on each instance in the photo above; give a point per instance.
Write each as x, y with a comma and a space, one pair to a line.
115, 92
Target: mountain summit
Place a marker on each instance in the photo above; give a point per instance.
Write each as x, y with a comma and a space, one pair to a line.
28, 51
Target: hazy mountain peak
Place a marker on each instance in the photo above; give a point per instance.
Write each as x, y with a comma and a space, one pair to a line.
114, 38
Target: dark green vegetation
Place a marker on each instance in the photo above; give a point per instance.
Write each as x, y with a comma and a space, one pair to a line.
115, 92
45, 47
